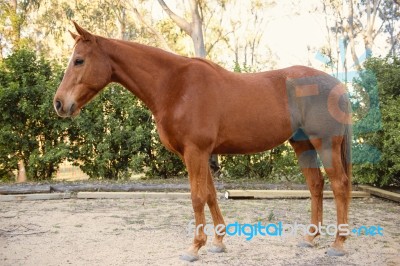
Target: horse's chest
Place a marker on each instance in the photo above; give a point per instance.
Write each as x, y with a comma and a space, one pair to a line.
167, 138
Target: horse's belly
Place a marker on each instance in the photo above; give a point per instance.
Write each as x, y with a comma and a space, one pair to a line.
245, 140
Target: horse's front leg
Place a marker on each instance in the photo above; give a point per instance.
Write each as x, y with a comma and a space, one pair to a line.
196, 162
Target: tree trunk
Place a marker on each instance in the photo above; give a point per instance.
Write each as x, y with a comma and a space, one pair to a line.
369, 35
197, 30
350, 34
122, 24
21, 178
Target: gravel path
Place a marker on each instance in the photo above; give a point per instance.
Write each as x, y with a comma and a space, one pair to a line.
154, 232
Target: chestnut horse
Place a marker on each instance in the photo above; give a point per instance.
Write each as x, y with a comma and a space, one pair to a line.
202, 109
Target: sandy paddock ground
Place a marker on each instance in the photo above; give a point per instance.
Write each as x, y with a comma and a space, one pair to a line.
154, 232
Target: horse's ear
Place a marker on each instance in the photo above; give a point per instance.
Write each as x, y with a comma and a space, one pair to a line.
74, 36
86, 36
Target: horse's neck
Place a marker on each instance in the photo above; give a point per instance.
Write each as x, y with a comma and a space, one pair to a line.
143, 70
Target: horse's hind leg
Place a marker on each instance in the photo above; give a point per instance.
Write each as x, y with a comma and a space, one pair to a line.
218, 245
307, 158
332, 155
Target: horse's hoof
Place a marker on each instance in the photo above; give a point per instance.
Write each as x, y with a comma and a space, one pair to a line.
334, 252
186, 256
305, 244
217, 249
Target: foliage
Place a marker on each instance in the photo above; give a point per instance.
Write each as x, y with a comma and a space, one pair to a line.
30, 130
250, 166
278, 164
13, 17
379, 146
160, 162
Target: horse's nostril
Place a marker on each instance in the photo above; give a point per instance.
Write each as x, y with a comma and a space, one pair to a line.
58, 105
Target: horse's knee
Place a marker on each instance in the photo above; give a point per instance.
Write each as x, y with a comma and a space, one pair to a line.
315, 182
341, 184
198, 203
317, 191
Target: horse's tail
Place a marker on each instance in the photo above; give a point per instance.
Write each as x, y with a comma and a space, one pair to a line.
346, 153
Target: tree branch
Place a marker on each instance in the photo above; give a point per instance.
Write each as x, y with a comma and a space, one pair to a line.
155, 32
375, 11
181, 22
378, 31
218, 39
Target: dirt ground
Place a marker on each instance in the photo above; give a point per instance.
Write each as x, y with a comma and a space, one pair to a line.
154, 232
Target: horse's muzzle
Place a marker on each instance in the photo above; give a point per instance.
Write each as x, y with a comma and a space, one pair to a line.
64, 110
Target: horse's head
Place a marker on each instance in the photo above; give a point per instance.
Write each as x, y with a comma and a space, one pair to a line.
88, 72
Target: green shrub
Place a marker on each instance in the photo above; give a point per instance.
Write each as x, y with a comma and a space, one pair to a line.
30, 130
376, 149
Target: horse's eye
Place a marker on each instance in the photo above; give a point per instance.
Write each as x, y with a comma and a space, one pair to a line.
78, 62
